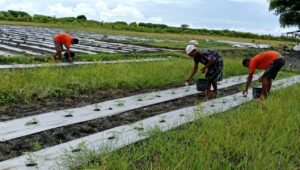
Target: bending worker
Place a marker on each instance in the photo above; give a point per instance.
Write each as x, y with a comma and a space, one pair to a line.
213, 67
66, 40
271, 62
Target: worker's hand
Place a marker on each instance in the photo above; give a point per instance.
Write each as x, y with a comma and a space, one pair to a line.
260, 79
70, 60
245, 92
203, 70
187, 82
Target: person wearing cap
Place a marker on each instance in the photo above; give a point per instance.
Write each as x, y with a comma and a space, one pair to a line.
271, 62
66, 40
213, 67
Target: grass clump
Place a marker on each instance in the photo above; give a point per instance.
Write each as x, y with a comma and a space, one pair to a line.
254, 136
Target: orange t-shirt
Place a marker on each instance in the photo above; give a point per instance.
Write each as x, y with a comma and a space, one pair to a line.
64, 39
262, 61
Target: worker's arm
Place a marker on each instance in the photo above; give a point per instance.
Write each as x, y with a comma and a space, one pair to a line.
194, 71
249, 81
210, 63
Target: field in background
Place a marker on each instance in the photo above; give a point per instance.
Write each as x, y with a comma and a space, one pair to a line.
181, 39
257, 135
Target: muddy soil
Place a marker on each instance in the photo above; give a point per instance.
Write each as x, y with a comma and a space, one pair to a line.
17, 147
293, 60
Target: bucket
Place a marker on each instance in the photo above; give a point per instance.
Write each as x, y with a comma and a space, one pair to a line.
67, 57
201, 84
257, 92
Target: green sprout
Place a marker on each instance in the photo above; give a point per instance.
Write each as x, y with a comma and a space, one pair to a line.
33, 121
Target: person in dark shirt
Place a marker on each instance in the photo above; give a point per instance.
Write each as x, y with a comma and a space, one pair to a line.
213, 67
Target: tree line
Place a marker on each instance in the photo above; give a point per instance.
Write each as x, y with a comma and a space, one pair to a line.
22, 16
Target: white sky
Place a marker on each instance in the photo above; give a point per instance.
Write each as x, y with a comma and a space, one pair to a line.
240, 15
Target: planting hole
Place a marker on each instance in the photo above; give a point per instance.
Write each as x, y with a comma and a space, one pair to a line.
139, 128
31, 164
97, 110
182, 115
162, 121
32, 123
76, 150
111, 138
69, 115
110, 108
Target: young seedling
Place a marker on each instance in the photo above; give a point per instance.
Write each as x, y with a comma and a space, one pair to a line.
80, 147
199, 108
30, 159
173, 91
224, 101
162, 119
120, 103
69, 113
37, 146
33, 121
97, 108
234, 97
187, 89
158, 95
140, 98
139, 127
114, 135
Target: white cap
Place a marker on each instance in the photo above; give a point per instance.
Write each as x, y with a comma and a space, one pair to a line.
190, 48
193, 42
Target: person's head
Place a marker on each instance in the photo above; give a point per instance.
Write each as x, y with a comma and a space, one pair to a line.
246, 62
75, 41
191, 50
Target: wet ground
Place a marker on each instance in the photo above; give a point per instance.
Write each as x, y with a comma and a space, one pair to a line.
293, 60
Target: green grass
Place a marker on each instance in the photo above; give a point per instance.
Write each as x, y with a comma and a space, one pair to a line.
86, 57
181, 38
233, 54
254, 136
32, 84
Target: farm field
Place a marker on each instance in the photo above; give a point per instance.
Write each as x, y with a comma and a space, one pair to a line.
63, 113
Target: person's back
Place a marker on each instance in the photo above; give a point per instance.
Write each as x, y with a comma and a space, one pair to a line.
64, 39
262, 60
271, 62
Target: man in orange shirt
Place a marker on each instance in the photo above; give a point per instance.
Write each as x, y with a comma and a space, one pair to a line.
66, 40
271, 61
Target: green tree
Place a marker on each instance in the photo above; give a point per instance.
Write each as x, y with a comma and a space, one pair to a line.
185, 26
288, 10
81, 17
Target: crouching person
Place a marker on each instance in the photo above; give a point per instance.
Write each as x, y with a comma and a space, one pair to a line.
271, 62
213, 67
66, 40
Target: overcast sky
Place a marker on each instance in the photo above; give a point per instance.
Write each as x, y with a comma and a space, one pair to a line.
241, 15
